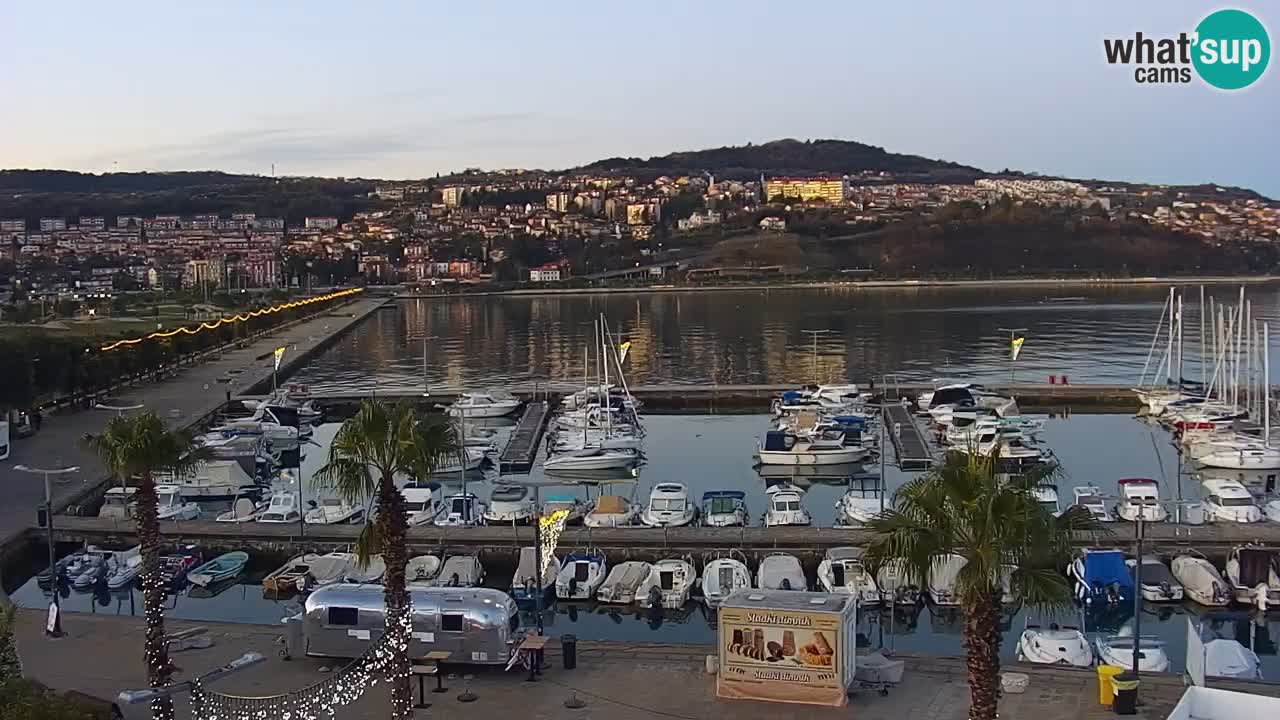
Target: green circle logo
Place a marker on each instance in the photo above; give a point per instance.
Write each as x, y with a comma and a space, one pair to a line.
1232, 49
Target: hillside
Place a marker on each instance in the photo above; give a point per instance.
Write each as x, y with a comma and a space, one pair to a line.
66, 181
784, 157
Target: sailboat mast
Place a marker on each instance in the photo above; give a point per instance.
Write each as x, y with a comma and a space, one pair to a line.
1266, 395
1248, 355
608, 410
1239, 338
1203, 369
1179, 340
1168, 351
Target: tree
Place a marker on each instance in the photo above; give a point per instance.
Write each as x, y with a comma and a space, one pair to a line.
135, 449
10, 665
367, 454
966, 507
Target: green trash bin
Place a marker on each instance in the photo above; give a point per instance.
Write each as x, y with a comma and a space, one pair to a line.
1126, 690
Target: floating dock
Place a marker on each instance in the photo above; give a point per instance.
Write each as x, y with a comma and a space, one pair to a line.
520, 452
909, 442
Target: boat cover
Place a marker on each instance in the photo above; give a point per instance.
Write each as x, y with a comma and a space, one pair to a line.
1228, 658
791, 396
775, 440
1255, 566
1105, 568
1155, 572
611, 504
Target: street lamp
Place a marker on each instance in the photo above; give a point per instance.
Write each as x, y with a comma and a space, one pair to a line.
426, 391
53, 629
119, 410
245, 661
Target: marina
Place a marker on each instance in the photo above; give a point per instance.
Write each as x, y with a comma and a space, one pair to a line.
909, 444
522, 447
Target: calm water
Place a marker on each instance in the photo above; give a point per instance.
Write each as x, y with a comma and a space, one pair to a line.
1090, 334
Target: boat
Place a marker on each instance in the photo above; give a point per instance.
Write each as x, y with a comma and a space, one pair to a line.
855, 509
611, 511
174, 567
1243, 454
525, 586
581, 575
1272, 510
491, 404
215, 479
724, 508
722, 576
669, 506
124, 568
627, 581
461, 510
676, 580
459, 571
276, 433
897, 587
1158, 584
1251, 572
223, 567
333, 511
421, 502
1091, 499
1046, 496
510, 505
1101, 577
595, 458
783, 448
284, 579
170, 504
1118, 650
281, 508
469, 459
1140, 497
421, 568
784, 506
1201, 581
575, 507
371, 571
1055, 645
87, 568
1229, 501
942, 580
326, 570
118, 503
842, 571
244, 509
780, 571
1228, 658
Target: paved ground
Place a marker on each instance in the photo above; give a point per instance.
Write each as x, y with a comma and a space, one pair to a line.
617, 682
192, 394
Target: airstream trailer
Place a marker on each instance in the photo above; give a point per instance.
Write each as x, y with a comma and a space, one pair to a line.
478, 626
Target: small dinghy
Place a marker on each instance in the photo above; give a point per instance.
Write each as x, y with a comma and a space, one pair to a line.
369, 572
780, 571
612, 511
897, 589
1055, 645
1201, 581
722, 576
223, 567
627, 581
581, 575
421, 568
525, 587
460, 571
125, 568
325, 570
1228, 658
88, 568
1158, 584
284, 579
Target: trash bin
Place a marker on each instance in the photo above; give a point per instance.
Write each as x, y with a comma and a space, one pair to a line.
1126, 690
569, 651
1106, 691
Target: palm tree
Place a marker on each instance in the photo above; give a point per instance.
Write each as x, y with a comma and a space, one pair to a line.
369, 451
134, 449
968, 508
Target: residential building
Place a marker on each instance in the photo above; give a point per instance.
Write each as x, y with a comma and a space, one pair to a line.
201, 272
551, 272
774, 224
559, 201
452, 195
92, 223
52, 224
320, 223
832, 190
13, 225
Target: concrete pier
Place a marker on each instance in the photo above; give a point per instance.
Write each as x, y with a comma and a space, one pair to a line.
909, 443
522, 448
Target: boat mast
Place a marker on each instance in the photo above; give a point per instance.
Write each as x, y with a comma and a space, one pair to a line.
1266, 396
608, 410
1248, 355
1235, 392
1179, 342
1151, 351
1168, 351
1203, 370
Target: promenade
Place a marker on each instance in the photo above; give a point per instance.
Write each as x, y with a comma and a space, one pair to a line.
192, 393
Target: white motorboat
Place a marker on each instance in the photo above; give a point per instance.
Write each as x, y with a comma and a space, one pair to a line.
369, 572
1251, 571
1272, 510
576, 508
842, 571
124, 567
627, 581
1236, 455
460, 571
1228, 658
469, 459
1101, 577
721, 577
605, 439
277, 434
1119, 650
171, 506
783, 448
856, 509
298, 402
421, 502
676, 579
897, 587
780, 571
213, 480
421, 568
492, 404
244, 509
724, 508
942, 580
333, 511
1046, 496
510, 504
669, 506
118, 503
1158, 584
1055, 645
284, 580
581, 575
1090, 498
282, 508
1229, 501
326, 569
785, 507
1140, 497
612, 511
1201, 581
461, 510
597, 458
525, 585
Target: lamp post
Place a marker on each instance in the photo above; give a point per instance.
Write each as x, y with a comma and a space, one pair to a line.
55, 629
134, 697
1013, 355
426, 390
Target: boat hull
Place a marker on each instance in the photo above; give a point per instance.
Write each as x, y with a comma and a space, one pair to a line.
824, 457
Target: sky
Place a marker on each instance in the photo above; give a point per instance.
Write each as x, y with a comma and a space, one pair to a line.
408, 89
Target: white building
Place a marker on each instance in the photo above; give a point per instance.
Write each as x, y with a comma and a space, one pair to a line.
320, 223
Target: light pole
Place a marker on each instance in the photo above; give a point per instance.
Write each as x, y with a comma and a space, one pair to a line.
54, 629
1013, 349
426, 391
815, 334
245, 661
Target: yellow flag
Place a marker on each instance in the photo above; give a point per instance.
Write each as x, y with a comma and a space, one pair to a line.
1015, 346
279, 353
622, 351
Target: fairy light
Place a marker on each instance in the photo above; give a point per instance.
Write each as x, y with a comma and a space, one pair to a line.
549, 528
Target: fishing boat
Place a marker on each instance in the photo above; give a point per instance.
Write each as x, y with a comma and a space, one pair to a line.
421, 568
581, 575
1119, 650
223, 567
284, 579
676, 580
783, 448
594, 458
724, 508
942, 580
842, 571
575, 507
124, 568
1055, 645
326, 570
784, 506
1229, 501
510, 505
333, 511
461, 510
281, 508
780, 571
669, 506
1140, 497
722, 576
612, 511
1101, 577
174, 567
370, 571
421, 502
1201, 581
856, 509
1251, 571
525, 585
1228, 658
491, 404
1158, 584
1090, 498
897, 587
460, 571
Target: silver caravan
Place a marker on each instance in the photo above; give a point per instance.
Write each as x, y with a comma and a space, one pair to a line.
479, 626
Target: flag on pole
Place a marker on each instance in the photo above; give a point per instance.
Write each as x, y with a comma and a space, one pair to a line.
1015, 347
279, 353
622, 351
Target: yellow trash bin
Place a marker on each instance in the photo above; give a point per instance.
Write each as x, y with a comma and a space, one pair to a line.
1106, 690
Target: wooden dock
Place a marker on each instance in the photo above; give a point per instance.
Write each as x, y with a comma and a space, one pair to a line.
909, 442
521, 450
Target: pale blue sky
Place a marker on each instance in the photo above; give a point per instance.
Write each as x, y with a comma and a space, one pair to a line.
406, 89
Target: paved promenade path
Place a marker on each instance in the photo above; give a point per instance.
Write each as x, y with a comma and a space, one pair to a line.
181, 399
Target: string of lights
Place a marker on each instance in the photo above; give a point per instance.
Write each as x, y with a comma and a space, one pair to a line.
550, 527
228, 320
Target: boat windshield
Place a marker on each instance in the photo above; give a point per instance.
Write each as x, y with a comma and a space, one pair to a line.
667, 504
331, 502
1237, 501
415, 507
722, 505
1126, 643
787, 505
1089, 499
118, 500
1050, 506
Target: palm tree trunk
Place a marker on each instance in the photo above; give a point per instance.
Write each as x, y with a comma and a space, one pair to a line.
393, 527
159, 671
982, 645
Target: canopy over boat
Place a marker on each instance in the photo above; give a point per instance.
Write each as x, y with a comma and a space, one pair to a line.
1104, 567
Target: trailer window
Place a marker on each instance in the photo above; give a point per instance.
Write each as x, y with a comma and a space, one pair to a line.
344, 616
451, 622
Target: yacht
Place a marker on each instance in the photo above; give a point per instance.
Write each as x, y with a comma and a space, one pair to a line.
461, 510
669, 506
724, 508
627, 581
421, 502
283, 508
1201, 581
1251, 572
1090, 498
722, 576
510, 505
842, 571
216, 479
490, 404
612, 511
1118, 650
1101, 577
1055, 645
460, 571
785, 507
596, 458
780, 571
1243, 453
942, 580
581, 575
333, 511
1140, 497
855, 509
525, 585
1158, 584
1229, 501
784, 448
676, 579
171, 506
